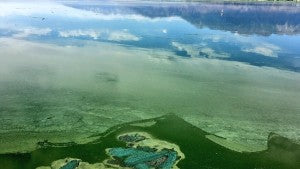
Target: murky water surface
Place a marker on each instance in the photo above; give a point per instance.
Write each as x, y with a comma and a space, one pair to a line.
72, 69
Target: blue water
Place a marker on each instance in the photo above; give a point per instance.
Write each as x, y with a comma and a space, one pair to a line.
260, 34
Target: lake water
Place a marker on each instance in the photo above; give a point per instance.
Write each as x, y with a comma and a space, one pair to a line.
73, 69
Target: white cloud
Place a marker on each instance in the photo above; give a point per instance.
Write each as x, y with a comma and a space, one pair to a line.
214, 38
118, 36
165, 31
200, 50
77, 33
253, 45
265, 49
23, 33
122, 36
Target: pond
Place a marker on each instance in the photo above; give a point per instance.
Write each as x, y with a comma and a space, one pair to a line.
70, 70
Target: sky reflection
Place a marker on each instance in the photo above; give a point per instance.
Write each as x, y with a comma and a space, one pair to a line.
230, 69
258, 34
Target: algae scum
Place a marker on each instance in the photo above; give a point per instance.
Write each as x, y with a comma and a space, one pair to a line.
129, 145
109, 84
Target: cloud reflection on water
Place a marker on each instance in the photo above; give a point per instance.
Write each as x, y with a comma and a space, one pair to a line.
65, 67
237, 32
